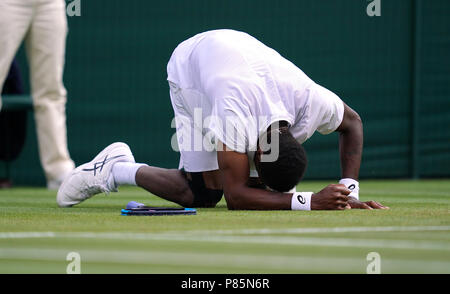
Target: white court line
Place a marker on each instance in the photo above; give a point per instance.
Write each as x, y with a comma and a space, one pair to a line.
24, 235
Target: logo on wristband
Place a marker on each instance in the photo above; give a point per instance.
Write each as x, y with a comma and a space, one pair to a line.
351, 187
301, 199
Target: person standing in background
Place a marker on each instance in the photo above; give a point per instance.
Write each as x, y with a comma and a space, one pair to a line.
42, 24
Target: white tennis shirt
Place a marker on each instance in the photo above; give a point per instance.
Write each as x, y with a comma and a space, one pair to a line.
241, 86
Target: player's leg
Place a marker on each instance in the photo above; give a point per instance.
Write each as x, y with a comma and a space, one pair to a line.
15, 18
45, 45
170, 184
201, 189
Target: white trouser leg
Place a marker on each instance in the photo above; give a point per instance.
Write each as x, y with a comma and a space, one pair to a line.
45, 43
15, 19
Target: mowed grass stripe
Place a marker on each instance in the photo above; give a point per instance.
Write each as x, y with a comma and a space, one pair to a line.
246, 239
233, 261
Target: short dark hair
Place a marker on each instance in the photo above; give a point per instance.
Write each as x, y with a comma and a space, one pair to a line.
288, 169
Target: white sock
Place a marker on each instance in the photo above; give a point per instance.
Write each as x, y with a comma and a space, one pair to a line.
124, 173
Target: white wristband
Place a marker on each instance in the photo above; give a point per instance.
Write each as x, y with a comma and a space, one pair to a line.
352, 185
301, 201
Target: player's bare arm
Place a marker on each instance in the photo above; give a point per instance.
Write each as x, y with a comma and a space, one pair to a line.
239, 196
350, 143
350, 149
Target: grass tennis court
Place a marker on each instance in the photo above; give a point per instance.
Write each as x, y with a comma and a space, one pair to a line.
412, 237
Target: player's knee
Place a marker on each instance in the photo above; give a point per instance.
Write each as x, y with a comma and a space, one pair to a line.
208, 198
203, 197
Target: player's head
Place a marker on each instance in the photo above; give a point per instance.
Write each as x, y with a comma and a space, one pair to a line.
282, 170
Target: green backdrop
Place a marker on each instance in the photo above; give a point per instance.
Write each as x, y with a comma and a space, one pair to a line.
393, 69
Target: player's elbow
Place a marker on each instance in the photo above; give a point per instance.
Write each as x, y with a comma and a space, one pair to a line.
352, 122
357, 119
358, 125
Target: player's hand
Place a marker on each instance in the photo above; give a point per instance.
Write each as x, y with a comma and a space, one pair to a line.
355, 203
332, 197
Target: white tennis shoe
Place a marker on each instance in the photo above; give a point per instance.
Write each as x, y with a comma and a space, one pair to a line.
93, 177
